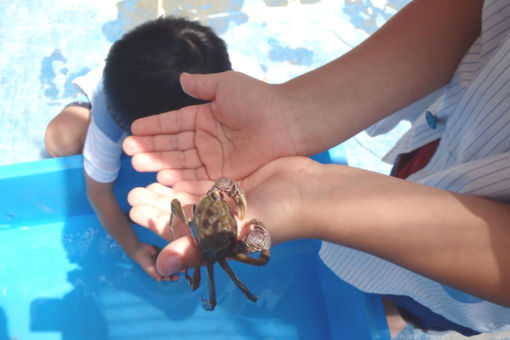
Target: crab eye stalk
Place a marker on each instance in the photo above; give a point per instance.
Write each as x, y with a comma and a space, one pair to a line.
241, 205
234, 191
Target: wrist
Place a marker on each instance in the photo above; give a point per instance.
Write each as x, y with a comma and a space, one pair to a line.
335, 203
311, 107
302, 203
318, 204
292, 106
131, 247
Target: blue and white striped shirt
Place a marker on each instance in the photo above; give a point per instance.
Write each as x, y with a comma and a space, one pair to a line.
473, 157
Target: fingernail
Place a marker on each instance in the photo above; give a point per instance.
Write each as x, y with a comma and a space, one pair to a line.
169, 265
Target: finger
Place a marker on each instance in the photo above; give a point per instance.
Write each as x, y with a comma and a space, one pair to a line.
161, 189
172, 176
181, 253
201, 86
159, 196
167, 192
138, 144
153, 273
194, 188
138, 196
155, 161
152, 208
166, 123
155, 219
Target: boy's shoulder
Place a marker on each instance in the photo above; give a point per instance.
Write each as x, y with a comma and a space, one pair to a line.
91, 85
88, 83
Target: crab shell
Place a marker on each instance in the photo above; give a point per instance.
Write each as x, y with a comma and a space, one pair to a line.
214, 228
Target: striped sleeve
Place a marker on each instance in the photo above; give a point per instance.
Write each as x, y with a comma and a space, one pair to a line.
472, 114
101, 155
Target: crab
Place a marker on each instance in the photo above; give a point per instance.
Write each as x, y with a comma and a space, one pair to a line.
215, 232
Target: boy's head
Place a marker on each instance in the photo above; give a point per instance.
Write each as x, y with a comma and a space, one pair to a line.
141, 74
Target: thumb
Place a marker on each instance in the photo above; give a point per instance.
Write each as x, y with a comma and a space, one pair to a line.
179, 254
200, 86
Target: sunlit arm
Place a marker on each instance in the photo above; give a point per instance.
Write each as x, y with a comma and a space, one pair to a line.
414, 53
457, 239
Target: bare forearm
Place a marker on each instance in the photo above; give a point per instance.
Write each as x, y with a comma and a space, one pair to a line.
460, 240
413, 54
110, 214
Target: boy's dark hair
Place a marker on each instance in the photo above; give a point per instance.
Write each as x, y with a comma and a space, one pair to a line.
141, 74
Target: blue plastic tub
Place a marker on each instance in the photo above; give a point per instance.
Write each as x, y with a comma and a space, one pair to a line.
63, 277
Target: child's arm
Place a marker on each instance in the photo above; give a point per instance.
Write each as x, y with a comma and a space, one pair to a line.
457, 239
413, 54
116, 223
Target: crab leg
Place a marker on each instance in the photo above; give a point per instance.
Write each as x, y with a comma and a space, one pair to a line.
234, 191
194, 281
179, 211
260, 261
211, 303
236, 280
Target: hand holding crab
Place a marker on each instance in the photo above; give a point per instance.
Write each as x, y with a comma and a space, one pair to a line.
215, 232
274, 195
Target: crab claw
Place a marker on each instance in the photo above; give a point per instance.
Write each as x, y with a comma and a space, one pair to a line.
234, 191
258, 239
